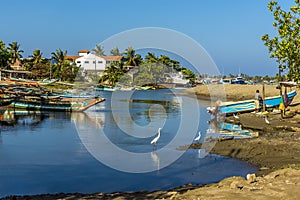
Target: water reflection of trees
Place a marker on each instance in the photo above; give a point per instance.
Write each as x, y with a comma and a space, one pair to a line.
145, 109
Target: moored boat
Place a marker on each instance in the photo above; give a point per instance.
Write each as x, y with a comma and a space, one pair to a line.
248, 105
67, 105
5, 100
112, 89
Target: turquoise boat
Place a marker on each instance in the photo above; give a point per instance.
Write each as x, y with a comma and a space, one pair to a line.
37, 103
230, 108
107, 89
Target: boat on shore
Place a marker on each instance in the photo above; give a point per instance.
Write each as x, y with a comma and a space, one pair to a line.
230, 108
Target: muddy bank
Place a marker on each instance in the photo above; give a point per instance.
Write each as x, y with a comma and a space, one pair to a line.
269, 153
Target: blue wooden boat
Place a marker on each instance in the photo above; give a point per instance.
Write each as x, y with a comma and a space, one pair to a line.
66, 105
230, 131
248, 105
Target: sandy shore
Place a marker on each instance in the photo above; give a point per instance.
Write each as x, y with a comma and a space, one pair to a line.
276, 152
234, 92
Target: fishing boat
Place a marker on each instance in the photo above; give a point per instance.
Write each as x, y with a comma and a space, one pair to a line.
47, 82
230, 108
230, 131
109, 89
5, 100
12, 80
50, 104
31, 82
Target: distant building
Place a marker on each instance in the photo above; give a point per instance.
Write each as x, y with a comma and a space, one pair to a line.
17, 66
92, 63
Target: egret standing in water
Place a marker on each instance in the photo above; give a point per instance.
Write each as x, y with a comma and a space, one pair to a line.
156, 138
198, 137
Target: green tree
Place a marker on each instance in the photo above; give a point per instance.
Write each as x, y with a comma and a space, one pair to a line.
37, 57
143, 79
115, 52
175, 65
40, 71
58, 57
165, 60
285, 47
189, 74
153, 73
98, 50
70, 71
14, 52
4, 56
132, 59
112, 74
37, 65
151, 58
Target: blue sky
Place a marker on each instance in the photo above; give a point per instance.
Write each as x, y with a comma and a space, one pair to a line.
229, 30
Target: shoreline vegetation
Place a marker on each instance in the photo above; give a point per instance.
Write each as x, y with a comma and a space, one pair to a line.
276, 152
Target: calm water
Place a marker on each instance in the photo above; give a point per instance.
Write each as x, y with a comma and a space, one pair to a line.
50, 152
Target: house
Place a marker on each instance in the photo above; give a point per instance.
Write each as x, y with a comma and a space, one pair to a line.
91, 63
17, 66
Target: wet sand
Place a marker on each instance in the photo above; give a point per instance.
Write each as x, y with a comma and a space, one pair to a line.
276, 152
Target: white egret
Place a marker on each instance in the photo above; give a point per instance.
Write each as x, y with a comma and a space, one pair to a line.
266, 120
156, 138
236, 117
198, 137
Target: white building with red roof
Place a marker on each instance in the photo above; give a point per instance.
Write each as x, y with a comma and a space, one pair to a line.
92, 63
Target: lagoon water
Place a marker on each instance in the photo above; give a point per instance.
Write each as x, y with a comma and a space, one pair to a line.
75, 152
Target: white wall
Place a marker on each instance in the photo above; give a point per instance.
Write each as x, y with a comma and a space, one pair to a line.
87, 62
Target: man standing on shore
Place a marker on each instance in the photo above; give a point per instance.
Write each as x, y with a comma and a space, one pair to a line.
257, 100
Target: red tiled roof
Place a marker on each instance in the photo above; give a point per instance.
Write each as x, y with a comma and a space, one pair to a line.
71, 57
112, 58
83, 51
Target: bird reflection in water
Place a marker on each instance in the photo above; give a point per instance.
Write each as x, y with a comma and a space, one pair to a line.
155, 159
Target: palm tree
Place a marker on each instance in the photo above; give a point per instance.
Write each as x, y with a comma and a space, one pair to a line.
4, 55
175, 65
138, 59
58, 57
37, 57
132, 59
115, 52
165, 60
113, 73
15, 52
151, 58
37, 61
129, 57
98, 50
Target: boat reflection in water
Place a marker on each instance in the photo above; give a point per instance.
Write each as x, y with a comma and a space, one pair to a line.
11, 117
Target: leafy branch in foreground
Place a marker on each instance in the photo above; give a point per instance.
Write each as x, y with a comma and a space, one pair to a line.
285, 47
